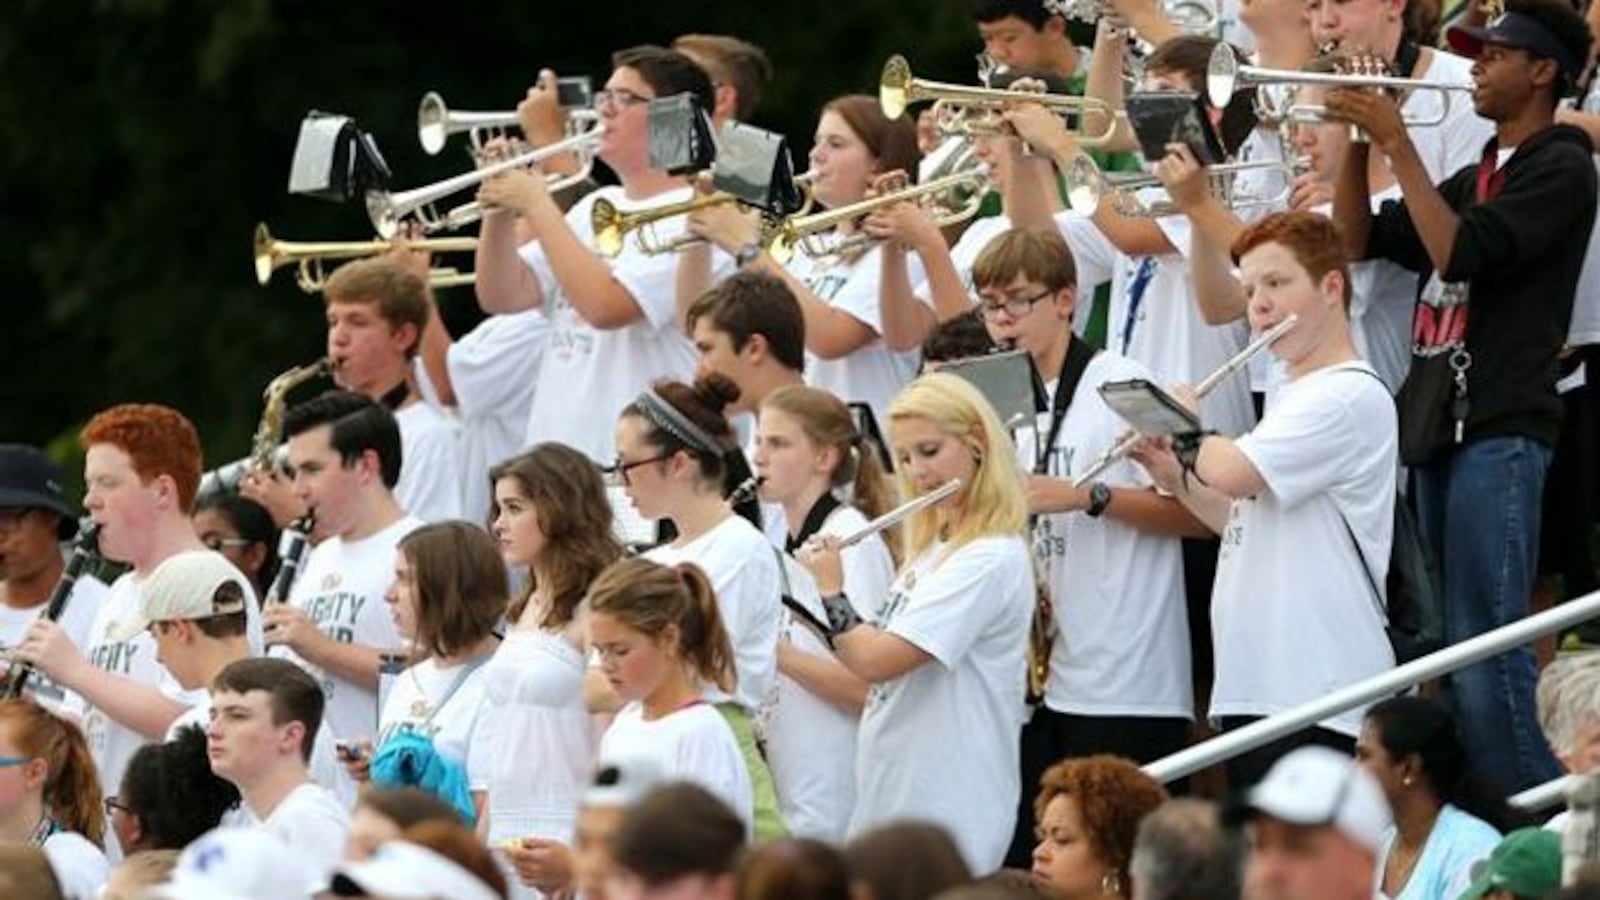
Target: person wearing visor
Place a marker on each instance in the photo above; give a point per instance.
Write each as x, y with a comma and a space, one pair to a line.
1525, 865
1500, 243
1314, 824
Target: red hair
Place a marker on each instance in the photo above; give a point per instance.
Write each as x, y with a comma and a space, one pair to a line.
1314, 241
158, 439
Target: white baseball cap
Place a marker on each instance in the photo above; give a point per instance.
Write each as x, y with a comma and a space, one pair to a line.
623, 781
238, 864
1320, 786
406, 871
183, 587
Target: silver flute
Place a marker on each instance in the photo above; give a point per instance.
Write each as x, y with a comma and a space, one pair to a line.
894, 516
1234, 364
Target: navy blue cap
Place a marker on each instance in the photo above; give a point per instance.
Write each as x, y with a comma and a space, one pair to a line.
30, 480
1518, 30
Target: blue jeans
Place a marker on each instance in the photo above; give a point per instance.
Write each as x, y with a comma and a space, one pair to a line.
1479, 509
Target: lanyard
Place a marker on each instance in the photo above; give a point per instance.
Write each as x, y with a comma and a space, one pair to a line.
1079, 353
1136, 289
820, 511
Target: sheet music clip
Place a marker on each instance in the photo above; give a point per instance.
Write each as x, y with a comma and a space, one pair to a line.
335, 160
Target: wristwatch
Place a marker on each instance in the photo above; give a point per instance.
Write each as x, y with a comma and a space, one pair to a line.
747, 254
1099, 499
842, 616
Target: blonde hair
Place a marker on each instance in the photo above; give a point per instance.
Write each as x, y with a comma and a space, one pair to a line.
994, 503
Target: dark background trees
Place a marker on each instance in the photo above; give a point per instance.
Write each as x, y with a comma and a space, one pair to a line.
142, 140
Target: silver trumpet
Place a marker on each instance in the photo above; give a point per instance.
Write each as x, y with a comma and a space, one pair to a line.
1190, 16
1087, 186
894, 516
436, 122
1235, 363
387, 210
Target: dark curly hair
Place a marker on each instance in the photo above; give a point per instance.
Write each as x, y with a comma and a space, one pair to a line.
1112, 794
171, 789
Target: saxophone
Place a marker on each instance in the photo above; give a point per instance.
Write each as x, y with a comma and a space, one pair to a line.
264, 447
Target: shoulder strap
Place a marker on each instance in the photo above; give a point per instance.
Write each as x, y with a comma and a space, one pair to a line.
1079, 354
455, 684
1366, 570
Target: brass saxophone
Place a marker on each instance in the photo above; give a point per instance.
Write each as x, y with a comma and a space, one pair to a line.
264, 447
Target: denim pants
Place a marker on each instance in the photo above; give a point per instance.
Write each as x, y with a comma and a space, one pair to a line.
1479, 508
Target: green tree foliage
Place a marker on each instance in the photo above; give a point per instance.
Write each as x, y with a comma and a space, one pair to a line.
141, 140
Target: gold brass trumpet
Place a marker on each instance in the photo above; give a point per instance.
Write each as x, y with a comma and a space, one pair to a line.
272, 254
1225, 76
962, 193
612, 226
972, 110
387, 210
437, 121
1087, 186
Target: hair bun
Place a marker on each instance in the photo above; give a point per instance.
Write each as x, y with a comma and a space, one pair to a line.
716, 391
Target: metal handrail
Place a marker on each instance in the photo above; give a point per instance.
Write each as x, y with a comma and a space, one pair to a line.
1442, 662
1549, 795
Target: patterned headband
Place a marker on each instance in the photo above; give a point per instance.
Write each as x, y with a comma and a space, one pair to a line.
664, 414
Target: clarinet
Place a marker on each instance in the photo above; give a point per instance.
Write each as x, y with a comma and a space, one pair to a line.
85, 548
292, 553
746, 491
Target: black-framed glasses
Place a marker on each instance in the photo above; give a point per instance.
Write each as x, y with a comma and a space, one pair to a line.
112, 804
618, 98
1015, 307
619, 469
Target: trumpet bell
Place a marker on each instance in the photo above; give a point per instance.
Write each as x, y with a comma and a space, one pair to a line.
1085, 185
433, 119
608, 227
894, 86
267, 258
1222, 75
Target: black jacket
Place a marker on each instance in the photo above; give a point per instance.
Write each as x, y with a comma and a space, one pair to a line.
1519, 255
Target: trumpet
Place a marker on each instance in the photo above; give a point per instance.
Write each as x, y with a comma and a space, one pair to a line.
612, 226
1087, 186
436, 122
1233, 364
1225, 76
387, 209
807, 231
1190, 16
271, 254
972, 111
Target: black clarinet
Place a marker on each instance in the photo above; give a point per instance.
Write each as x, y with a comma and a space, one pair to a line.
85, 547
298, 536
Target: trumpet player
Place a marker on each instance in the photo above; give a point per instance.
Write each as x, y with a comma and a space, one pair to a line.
1109, 551
615, 325
1498, 246
854, 146
738, 69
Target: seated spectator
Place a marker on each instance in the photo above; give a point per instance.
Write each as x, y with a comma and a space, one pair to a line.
1444, 820
383, 814
1088, 811
1525, 865
1183, 852
135, 875
794, 870
240, 864
1568, 701
169, 795
50, 795
877, 862
619, 785
402, 869
680, 842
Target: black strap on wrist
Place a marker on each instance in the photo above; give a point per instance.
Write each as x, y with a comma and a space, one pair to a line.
842, 615
1186, 447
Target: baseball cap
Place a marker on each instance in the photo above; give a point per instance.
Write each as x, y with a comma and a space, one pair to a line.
1526, 862
31, 480
406, 871
1319, 786
1514, 29
236, 864
183, 587
623, 781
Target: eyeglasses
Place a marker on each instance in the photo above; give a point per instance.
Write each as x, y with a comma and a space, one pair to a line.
112, 805
618, 98
9, 762
619, 469
217, 542
1015, 307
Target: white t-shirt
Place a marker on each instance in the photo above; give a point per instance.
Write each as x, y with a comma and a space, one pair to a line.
691, 744
1293, 616
589, 374
871, 374
80, 867
939, 743
965, 252
462, 730
430, 463
494, 369
1122, 627
112, 742
743, 568
1448, 148
1383, 299
313, 822
341, 588
88, 593
1163, 330
816, 791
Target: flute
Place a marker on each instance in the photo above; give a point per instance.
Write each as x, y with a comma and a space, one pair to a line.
893, 516
84, 549
1234, 364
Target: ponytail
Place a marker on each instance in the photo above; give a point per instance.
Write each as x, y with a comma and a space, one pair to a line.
648, 597
72, 784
